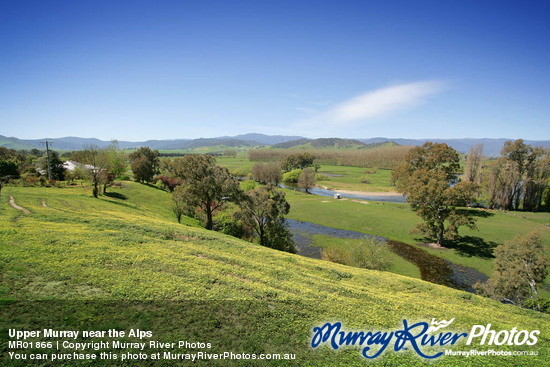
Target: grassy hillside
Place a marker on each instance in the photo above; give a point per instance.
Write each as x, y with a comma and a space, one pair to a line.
79, 263
13, 143
322, 143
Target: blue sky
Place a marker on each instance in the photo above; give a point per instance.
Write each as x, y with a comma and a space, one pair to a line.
137, 70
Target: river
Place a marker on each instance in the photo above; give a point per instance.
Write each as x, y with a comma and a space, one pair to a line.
432, 268
330, 193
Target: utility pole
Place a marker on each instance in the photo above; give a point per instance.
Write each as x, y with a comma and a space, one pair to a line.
48, 157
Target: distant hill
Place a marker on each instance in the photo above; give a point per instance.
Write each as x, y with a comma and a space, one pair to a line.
263, 139
198, 143
291, 144
491, 147
76, 143
389, 143
323, 143
13, 143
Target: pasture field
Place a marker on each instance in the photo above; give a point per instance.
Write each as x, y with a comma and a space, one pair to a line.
240, 161
122, 261
394, 221
347, 177
356, 179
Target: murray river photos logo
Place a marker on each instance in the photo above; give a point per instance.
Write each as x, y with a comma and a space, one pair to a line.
418, 336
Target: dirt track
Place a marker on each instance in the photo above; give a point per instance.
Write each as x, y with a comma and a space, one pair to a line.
12, 203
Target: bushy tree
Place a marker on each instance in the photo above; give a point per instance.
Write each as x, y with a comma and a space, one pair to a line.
297, 161
205, 185
144, 163
520, 265
428, 178
263, 210
306, 180
10, 163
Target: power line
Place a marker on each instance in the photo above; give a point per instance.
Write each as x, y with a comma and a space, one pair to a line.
48, 157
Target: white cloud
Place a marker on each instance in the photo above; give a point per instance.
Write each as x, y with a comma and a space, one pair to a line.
377, 103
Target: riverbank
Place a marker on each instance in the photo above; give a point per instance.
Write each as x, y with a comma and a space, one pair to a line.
432, 268
473, 248
391, 197
363, 193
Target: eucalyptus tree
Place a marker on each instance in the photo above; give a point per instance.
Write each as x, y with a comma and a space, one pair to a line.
205, 186
429, 179
263, 209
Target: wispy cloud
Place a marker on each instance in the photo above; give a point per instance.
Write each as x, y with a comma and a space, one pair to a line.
377, 103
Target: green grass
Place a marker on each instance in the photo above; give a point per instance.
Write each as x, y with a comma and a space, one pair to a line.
399, 265
123, 262
231, 163
394, 221
379, 179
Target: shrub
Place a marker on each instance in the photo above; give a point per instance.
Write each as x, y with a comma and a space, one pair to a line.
370, 253
365, 180
335, 255
248, 185
542, 304
229, 223
367, 253
31, 181
169, 183
241, 171
278, 236
292, 176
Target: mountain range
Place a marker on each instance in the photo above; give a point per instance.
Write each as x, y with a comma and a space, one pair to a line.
491, 147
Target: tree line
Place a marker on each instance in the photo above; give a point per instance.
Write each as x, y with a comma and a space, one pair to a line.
387, 157
517, 180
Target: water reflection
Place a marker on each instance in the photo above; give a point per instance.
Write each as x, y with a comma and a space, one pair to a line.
432, 268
